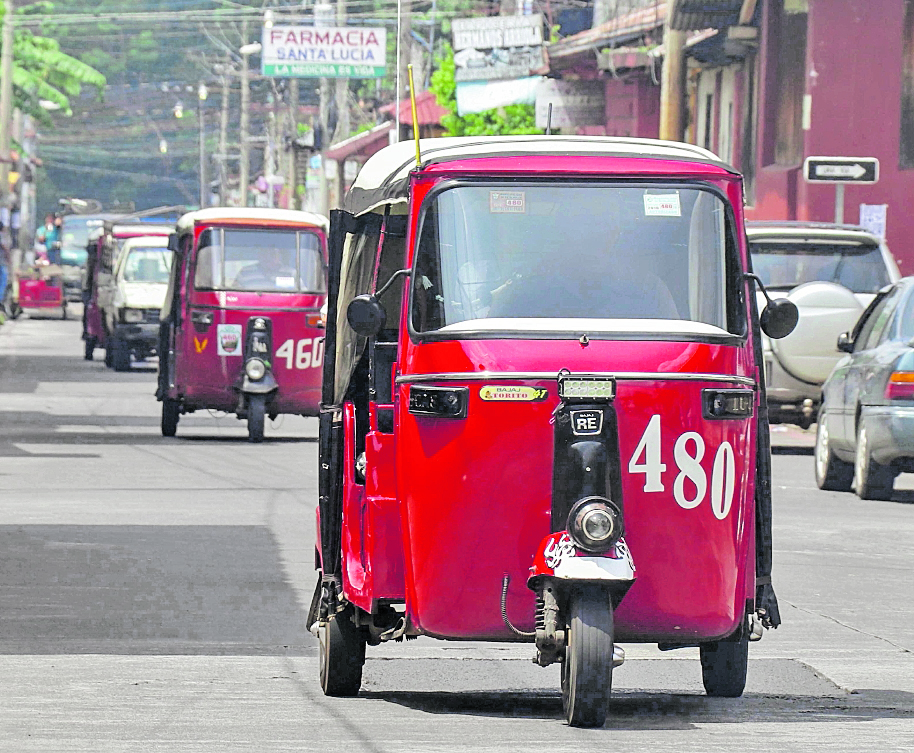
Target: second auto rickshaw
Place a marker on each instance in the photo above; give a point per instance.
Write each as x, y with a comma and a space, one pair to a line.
241, 327
543, 415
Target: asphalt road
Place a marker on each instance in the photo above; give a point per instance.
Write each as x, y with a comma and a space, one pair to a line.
153, 594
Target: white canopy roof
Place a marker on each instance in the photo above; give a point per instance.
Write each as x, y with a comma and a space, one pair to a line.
384, 178
255, 214
146, 241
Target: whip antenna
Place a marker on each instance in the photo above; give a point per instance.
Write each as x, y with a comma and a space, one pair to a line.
412, 105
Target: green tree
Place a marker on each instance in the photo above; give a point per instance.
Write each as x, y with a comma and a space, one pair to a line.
501, 121
43, 73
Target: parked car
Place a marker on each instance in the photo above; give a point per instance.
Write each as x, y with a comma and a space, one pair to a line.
865, 433
832, 273
133, 296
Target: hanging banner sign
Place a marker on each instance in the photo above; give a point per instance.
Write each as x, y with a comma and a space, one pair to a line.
324, 52
497, 47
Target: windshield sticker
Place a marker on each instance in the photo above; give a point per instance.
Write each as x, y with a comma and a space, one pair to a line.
285, 282
513, 394
662, 205
228, 339
507, 202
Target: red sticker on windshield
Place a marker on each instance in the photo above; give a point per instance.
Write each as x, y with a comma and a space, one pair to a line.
507, 202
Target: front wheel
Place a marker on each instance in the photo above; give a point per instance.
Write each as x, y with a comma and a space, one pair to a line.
90, 348
64, 314
724, 666
170, 415
342, 655
257, 410
587, 668
872, 480
832, 473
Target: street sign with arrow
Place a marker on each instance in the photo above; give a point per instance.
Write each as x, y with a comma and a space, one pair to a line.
841, 169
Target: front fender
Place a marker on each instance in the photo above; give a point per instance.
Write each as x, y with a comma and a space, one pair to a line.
558, 557
263, 387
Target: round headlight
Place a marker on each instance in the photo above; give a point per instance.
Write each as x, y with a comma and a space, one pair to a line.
595, 524
133, 315
255, 369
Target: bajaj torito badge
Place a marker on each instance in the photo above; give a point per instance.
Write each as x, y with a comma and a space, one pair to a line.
228, 338
513, 394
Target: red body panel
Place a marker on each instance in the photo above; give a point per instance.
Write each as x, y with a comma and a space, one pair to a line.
40, 294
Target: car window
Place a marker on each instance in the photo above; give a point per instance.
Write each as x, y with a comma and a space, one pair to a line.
875, 324
786, 264
906, 318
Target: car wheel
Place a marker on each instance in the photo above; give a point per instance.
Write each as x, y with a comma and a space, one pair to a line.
871, 480
832, 474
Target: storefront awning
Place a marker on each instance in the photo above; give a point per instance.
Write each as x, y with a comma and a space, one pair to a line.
702, 14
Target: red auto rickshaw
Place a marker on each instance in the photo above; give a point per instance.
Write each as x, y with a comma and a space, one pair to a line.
543, 414
241, 328
39, 289
103, 247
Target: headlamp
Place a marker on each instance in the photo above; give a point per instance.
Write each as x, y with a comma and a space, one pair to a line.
255, 369
132, 316
595, 524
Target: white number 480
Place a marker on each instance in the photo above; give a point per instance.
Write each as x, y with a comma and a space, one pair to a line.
688, 453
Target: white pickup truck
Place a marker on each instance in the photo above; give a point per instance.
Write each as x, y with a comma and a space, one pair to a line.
131, 298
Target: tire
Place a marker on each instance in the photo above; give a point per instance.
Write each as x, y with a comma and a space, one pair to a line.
109, 354
832, 473
342, 655
120, 358
587, 668
871, 480
90, 348
724, 666
64, 314
171, 413
257, 409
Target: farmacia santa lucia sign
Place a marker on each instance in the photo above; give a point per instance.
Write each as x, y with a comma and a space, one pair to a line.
324, 51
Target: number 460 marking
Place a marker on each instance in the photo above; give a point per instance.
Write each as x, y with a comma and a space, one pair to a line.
303, 354
688, 453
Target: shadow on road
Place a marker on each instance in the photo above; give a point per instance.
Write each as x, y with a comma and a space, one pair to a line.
790, 450
636, 710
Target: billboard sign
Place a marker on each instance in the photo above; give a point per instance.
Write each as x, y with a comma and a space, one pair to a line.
324, 52
497, 47
574, 103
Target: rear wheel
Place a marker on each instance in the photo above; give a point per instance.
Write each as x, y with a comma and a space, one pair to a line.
120, 358
724, 666
871, 480
342, 655
832, 473
587, 669
170, 415
109, 354
257, 409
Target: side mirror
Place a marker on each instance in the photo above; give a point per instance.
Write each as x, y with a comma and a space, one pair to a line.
779, 318
845, 344
172, 241
366, 315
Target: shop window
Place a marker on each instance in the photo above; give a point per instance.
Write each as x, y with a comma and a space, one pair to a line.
906, 150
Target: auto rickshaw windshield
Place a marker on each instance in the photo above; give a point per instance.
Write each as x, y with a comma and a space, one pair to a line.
259, 260
571, 251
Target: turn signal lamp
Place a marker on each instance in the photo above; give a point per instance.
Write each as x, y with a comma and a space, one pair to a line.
586, 388
900, 386
443, 402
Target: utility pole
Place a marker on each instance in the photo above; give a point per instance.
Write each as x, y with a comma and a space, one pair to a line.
404, 55
293, 129
6, 97
201, 113
223, 133
342, 89
672, 83
323, 16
